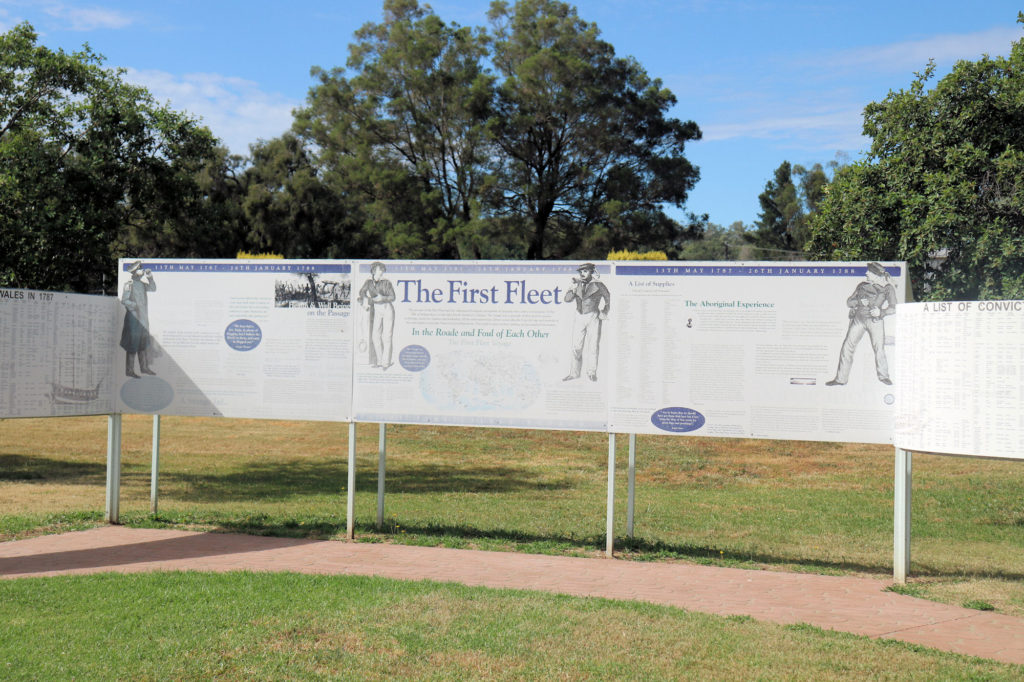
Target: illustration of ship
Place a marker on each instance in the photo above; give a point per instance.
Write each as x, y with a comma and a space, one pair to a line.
67, 386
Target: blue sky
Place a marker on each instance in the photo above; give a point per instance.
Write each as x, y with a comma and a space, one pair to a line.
765, 81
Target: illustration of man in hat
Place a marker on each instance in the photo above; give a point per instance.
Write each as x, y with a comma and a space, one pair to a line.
377, 296
872, 301
592, 303
135, 332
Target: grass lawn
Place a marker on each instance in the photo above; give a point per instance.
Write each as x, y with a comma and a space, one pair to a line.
780, 505
242, 626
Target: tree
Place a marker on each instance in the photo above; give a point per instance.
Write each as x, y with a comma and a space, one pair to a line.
407, 129
292, 212
720, 243
588, 154
571, 154
941, 186
82, 156
787, 204
193, 209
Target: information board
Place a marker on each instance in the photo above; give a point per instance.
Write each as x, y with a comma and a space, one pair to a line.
961, 371
56, 352
798, 351
235, 338
756, 350
513, 344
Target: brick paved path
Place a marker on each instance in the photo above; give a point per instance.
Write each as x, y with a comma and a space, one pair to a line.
857, 605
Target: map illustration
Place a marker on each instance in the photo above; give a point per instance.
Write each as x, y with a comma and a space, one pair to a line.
480, 381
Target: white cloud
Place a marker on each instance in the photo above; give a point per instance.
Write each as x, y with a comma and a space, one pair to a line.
913, 55
88, 19
821, 131
817, 102
234, 109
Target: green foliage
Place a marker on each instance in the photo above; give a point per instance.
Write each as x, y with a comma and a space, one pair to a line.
941, 186
436, 141
563, 151
787, 203
588, 155
85, 160
194, 211
291, 211
721, 243
404, 134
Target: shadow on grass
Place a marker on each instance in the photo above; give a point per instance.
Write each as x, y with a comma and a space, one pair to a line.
465, 535
14, 467
637, 549
284, 480
640, 549
468, 536
653, 550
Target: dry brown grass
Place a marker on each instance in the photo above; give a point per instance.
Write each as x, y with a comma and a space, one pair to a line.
771, 504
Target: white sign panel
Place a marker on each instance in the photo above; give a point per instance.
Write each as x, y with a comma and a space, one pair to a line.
961, 369
515, 344
800, 351
55, 353
235, 338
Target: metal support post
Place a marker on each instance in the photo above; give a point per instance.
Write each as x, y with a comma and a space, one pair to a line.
350, 521
631, 499
901, 517
155, 468
381, 455
113, 467
610, 526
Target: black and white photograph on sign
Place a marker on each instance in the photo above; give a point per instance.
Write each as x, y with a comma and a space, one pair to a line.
377, 297
135, 337
871, 302
311, 290
592, 302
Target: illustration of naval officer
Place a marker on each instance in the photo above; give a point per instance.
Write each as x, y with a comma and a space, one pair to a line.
592, 303
377, 296
135, 332
872, 301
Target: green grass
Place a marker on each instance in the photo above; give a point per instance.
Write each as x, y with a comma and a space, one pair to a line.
286, 626
780, 505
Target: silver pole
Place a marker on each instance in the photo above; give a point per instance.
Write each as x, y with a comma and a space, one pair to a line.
610, 526
631, 500
350, 527
155, 468
381, 454
113, 467
902, 493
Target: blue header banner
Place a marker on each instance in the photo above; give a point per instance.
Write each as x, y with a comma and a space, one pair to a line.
242, 266
478, 268
714, 270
